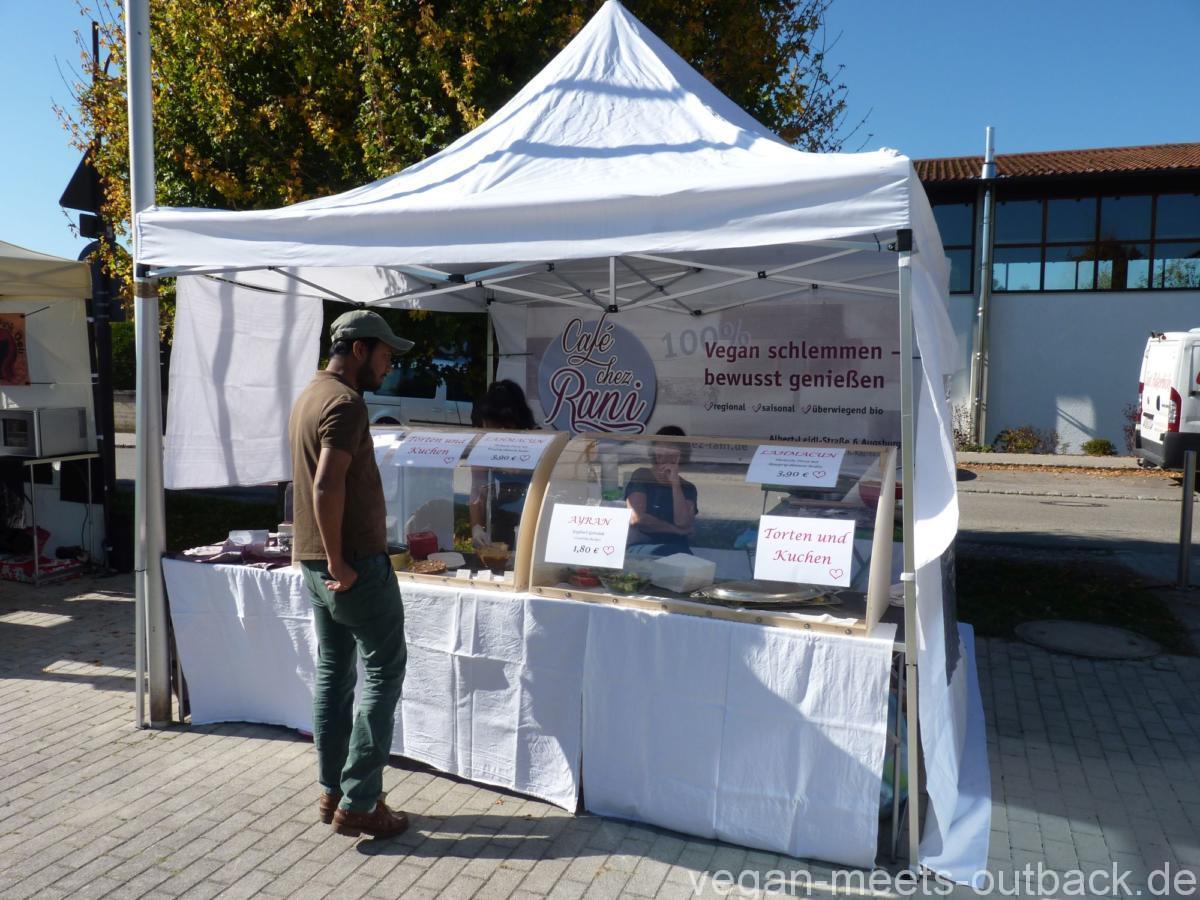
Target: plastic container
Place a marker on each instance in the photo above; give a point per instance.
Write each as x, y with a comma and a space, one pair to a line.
422, 543
683, 573
250, 541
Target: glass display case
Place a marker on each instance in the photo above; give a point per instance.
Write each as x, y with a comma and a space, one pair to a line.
750, 530
462, 503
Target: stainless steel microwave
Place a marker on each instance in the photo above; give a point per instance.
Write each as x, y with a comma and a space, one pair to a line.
43, 431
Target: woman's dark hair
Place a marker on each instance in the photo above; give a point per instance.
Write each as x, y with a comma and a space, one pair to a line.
345, 347
505, 406
685, 450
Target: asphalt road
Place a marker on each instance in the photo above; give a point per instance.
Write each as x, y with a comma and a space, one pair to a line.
1032, 507
1084, 510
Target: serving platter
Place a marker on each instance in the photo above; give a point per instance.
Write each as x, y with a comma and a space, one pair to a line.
766, 594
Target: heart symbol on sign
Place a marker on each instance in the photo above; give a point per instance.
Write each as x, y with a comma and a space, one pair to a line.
525, 457
449, 460
609, 549
819, 473
836, 574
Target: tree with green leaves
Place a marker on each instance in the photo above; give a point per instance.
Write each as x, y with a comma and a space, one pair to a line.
264, 103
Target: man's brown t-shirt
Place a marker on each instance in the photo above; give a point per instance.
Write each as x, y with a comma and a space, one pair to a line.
330, 413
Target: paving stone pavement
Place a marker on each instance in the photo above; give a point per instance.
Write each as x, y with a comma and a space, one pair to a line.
1093, 764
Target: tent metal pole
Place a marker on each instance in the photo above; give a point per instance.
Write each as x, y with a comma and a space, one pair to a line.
979, 358
612, 281
419, 293
149, 518
316, 287
491, 341
908, 577
590, 296
533, 295
736, 271
657, 288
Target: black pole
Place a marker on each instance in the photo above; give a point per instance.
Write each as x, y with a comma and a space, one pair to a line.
102, 300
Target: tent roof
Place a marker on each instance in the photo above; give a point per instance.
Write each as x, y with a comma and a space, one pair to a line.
618, 146
27, 273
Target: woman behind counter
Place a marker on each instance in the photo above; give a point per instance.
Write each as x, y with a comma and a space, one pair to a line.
503, 407
663, 503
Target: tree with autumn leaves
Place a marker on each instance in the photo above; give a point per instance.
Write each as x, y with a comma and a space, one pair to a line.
264, 103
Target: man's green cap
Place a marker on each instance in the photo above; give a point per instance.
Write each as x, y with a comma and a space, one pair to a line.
359, 324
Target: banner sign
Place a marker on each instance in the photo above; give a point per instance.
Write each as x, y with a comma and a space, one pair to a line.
803, 550
815, 369
509, 451
596, 376
798, 466
588, 535
14, 359
431, 449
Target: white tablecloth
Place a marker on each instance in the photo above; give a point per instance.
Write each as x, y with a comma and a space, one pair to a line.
491, 692
246, 642
492, 688
767, 737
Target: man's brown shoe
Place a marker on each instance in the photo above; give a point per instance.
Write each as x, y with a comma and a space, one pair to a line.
379, 822
327, 805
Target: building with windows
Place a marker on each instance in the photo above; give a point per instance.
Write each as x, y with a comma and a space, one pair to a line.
1092, 250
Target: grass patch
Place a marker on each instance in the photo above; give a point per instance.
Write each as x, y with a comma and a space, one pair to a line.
194, 519
997, 593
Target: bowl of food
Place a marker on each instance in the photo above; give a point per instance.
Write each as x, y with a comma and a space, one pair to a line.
583, 577
625, 582
494, 556
427, 567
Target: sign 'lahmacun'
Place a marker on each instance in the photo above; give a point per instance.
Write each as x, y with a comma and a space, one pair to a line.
597, 376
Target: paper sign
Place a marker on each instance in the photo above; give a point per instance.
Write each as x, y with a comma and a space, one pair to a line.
431, 450
588, 535
803, 550
800, 466
509, 451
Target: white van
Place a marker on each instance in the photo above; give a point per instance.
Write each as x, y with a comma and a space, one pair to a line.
437, 394
1168, 415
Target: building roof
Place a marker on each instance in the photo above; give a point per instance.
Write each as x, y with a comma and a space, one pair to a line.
1102, 161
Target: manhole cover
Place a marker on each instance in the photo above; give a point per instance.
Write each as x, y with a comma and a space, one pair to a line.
1086, 639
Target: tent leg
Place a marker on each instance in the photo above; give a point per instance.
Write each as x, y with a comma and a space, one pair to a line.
908, 576
149, 520
896, 759
149, 524
490, 341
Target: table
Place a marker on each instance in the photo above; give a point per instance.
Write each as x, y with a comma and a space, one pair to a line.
491, 693
768, 737
87, 506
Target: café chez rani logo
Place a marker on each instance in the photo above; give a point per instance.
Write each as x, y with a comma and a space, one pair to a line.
597, 376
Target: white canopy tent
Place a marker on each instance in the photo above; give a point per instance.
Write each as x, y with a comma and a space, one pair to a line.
51, 293
27, 273
617, 179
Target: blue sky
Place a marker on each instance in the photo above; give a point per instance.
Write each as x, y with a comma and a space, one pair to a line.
1048, 74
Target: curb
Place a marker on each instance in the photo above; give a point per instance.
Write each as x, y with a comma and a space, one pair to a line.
1067, 495
1072, 461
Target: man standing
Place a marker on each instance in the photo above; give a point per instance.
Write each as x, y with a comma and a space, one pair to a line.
340, 542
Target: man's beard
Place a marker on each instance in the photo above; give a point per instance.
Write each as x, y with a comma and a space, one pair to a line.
368, 382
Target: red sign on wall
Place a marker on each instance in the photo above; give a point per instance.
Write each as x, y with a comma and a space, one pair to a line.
14, 363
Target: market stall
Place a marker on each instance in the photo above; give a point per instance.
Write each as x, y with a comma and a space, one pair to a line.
585, 663
47, 417
618, 190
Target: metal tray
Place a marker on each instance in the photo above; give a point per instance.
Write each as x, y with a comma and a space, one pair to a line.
773, 594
